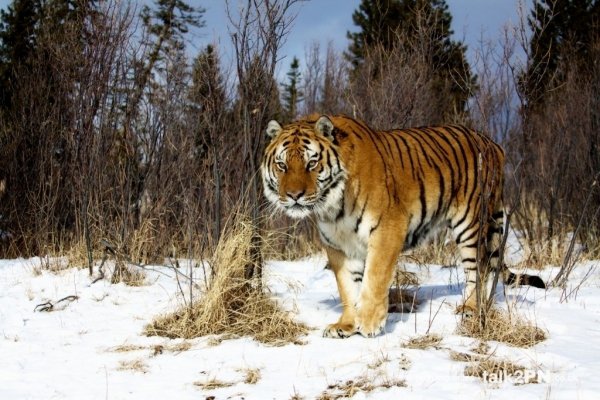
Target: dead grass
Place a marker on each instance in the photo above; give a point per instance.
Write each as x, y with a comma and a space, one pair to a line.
155, 349
172, 348
437, 251
503, 369
379, 361
424, 342
133, 365
125, 348
296, 396
290, 240
231, 305
403, 293
213, 383
251, 375
464, 357
50, 264
128, 275
504, 327
363, 384
481, 348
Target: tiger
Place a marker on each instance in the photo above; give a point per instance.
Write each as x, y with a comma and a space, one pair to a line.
377, 193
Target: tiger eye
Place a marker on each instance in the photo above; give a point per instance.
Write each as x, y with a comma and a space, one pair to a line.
281, 166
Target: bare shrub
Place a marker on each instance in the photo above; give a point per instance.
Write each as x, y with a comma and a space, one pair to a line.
232, 305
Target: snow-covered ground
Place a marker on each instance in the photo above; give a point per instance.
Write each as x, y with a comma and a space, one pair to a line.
93, 346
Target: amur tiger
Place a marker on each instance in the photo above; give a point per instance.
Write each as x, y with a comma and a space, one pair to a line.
377, 193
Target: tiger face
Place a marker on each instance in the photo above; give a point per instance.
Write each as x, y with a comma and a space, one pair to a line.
301, 169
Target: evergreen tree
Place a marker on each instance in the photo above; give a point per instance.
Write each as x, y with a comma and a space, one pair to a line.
563, 33
17, 42
292, 94
420, 26
170, 20
208, 96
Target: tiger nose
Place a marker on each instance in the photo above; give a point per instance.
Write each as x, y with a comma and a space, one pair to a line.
295, 195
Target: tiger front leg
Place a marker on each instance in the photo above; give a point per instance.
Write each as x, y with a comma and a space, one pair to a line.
348, 275
374, 295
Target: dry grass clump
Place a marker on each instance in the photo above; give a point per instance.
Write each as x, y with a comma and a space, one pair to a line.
232, 305
133, 365
504, 370
424, 342
125, 348
127, 275
345, 390
251, 375
213, 383
503, 327
155, 349
464, 357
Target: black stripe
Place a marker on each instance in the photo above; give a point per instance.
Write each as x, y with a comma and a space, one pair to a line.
417, 139
439, 151
355, 198
359, 220
410, 156
471, 236
498, 215
395, 137
445, 136
375, 226
340, 214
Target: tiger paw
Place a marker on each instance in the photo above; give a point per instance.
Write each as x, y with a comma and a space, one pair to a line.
339, 331
370, 324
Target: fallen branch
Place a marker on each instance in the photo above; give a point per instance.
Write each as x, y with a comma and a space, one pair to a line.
48, 306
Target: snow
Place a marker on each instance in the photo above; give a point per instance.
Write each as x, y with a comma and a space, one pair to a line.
73, 352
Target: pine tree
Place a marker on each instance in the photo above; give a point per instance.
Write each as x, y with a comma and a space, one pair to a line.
208, 96
17, 42
292, 95
563, 33
421, 26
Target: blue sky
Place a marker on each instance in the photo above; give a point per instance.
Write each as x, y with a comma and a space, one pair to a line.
329, 20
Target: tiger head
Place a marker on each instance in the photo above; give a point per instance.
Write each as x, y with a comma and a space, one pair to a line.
301, 168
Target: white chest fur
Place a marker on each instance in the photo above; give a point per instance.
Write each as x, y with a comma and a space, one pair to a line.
347, 234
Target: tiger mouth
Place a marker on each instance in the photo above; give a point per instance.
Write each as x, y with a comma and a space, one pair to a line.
298, 207
297, 210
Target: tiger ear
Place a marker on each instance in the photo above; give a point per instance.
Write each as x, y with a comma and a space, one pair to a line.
273, 129
324, 126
